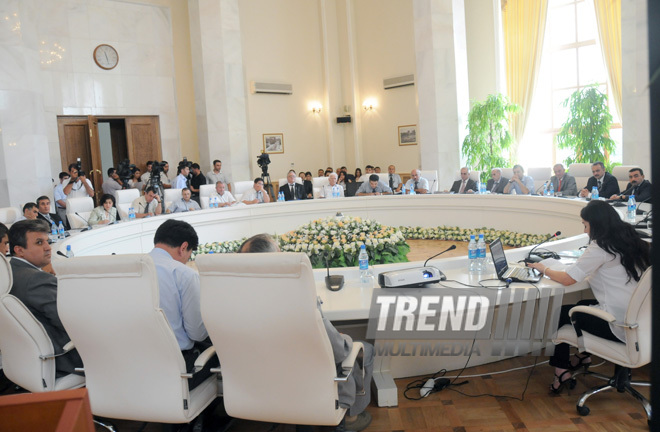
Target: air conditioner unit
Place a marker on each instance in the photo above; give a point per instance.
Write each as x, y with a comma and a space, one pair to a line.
402, 81
270, 88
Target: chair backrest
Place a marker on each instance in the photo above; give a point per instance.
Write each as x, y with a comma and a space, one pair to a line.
281, 182
638, 340
241, 187
22, 340
261, 314
123, 196
621, 174
432, 177
319, 182
83, 206
581, 172
205, 191
133, 364
8, 215
171, 195
474, 175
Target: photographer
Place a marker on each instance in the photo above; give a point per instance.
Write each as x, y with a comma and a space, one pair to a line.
78, 185
113, 183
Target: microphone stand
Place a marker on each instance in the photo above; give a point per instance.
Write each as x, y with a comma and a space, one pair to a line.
529, 258
334, 282
452, 247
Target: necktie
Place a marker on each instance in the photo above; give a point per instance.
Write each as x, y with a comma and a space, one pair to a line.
634, 191
416, 186
494, 186
391, 181
259, 197
373, 190
559, 185
462, 189
600, 183
293, 191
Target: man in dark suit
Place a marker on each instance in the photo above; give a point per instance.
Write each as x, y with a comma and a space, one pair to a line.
465, 184
37, 289
43, 203
605, 182
497, 183
292, 190
638, 186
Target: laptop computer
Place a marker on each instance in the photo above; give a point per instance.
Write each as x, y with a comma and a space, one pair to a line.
515, 273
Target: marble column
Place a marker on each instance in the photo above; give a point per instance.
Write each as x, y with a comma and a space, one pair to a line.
636, 118
442, 84
220, 89
24, 156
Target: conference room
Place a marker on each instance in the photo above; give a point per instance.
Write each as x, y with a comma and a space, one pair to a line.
324, 84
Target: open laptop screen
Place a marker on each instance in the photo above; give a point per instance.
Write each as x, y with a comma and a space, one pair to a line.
499, 259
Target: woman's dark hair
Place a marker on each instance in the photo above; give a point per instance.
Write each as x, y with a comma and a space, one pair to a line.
106, 197
341, 174
356, 173
617, 237
3, 230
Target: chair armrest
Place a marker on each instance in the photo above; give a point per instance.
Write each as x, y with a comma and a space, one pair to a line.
605, 316
349, 362
203, 358
65, 349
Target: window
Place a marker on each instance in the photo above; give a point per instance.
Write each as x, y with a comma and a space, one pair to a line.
571, 59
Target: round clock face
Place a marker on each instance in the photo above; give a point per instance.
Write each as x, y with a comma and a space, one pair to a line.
106, 57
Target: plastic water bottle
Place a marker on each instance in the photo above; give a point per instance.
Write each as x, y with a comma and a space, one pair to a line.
478, 191
403, 189
551, 190
69, 252
60, 231
280, 196
412, 190
53, 233
632, 209
131, 214
363, 259
472, 255
216, 202
481, 253
545, 189
594, 193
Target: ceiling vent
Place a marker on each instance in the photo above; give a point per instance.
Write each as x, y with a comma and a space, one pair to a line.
402, 81
270, 88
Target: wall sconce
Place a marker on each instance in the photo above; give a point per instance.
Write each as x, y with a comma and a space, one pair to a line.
369, 104
315, 107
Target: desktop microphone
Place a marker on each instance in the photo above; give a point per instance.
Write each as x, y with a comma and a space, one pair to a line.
60, 253
538, 256
334, 282
541, 187
89, 227
433, 184
452, 247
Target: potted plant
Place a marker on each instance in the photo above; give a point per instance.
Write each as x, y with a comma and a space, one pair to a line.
586, 131
488, 138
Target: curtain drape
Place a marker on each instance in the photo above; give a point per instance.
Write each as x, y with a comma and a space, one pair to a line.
523, 23
608, 17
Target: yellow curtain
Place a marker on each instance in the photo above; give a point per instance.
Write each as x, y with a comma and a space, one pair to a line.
523, 24
608, 16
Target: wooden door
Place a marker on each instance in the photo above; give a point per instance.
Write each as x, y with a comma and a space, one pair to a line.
74, 137
143, 140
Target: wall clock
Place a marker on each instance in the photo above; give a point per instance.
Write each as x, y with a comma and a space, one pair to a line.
106, 57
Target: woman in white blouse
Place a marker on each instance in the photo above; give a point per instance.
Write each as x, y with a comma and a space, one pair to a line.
614, 262
105, 213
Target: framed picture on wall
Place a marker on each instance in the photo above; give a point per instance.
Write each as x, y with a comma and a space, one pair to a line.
408, 135
274, 143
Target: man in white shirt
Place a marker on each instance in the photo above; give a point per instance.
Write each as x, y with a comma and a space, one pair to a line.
184, 203
60, 198
147, 174
417, 182
225, 198
182, 178
165, 176
78, 185
216, 175
113, 183
327, 190
148, 204
256, 195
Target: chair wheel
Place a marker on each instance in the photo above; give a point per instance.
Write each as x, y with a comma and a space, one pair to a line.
583, 410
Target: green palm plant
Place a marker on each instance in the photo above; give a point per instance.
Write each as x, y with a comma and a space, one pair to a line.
488, 138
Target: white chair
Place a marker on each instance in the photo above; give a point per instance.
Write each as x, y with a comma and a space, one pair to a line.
241, 187
634, 353
8, 215
134, 368
507, 172
171, 195
124, 199
281, 182
432, 177
205, 191
28, 357
317, 184
272, 358
474, 175
540, 176
78, 211
581, 172
621, 174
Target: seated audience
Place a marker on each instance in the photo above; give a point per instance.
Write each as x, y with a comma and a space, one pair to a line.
605, 182
613, 262
368, 170
183, 204
198, 179
60, 198
113, 182
30, 212
225, 198
292, 191
179, 290
301, 174
373, 187
341, 179
320, 173
350, 178
562, 183
78, 185
519, 184
358, 174
394, 179
308, 185
354, 394
4, 239
216, 175
148, 204
136, 182
326, 190
256, 195
43, 205
37, 289
497, 182
377, 170
465, 185
328, 172
106, 213
417, 183
638, 186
